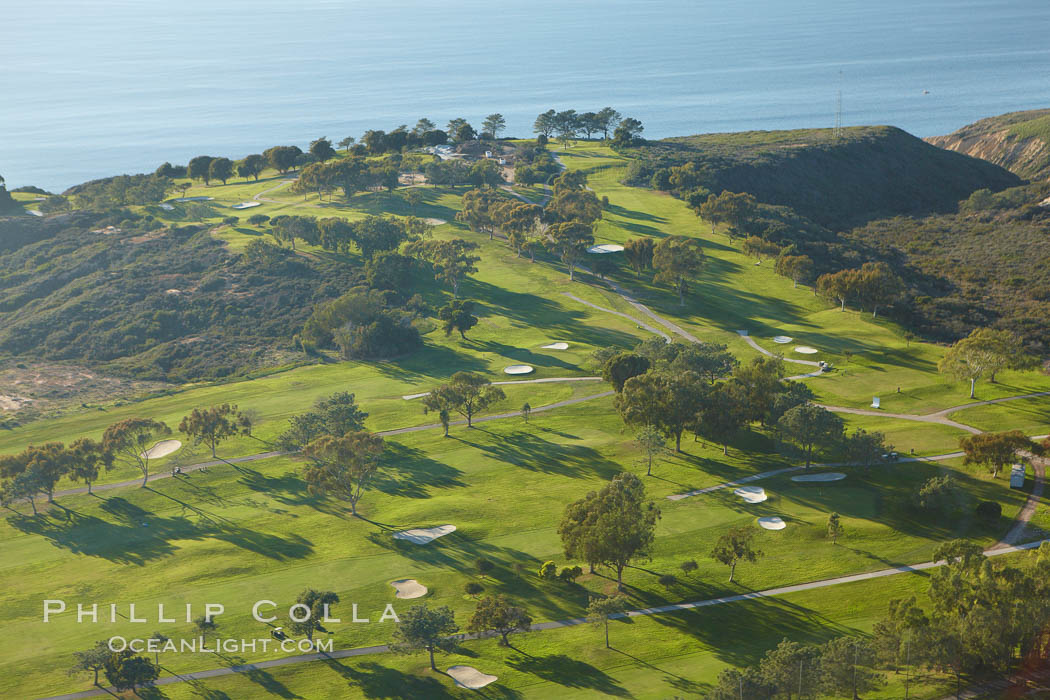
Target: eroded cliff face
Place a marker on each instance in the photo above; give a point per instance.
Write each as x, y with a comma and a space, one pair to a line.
997, 140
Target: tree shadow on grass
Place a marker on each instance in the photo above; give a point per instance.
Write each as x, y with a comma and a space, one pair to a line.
568, 672
137, 536
374, 680
410, 473
532, 452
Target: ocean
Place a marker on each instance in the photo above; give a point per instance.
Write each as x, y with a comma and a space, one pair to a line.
89, 89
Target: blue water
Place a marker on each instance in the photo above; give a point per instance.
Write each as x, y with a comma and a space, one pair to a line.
96, 88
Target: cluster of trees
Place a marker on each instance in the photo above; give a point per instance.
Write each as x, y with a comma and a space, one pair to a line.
875, 284
671, 388
840, 667
982, 617
7, 202
112, 192
569, 124
362, 324
38, 468
533, 165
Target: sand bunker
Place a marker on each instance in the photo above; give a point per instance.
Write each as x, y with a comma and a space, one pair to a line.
772, 523
605, 248
556, 346
162, 449
826, 476
409, 588
806, 350
752, 494
409, 397
166, 207
470, 677
245, 205
435, 221
193, 199
423, 535
518, 369
782, 339
36, 212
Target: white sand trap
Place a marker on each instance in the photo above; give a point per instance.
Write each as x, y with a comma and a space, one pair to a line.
782, 339
555, 346
518, 369
772, 523
36, 212
409, 397
826, 476
433, 221
806, 350
162, 449
752, 494
166, 207
605, 248
470, 677
409, 588
193, 199
245, 205
424, 535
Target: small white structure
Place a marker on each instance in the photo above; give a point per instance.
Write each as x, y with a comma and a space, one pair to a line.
1017, 476
488, 154
875, 402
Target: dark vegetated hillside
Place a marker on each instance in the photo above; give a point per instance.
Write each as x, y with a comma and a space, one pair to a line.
866, 173
153, 302
987, 265
1018, 141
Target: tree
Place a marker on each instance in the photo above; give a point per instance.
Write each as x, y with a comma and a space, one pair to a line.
798, 268
314, 606
204, 624
573, 204
213, 425
282, 158
601, 610
94, 659
566, 124
451, 259
198, 168
423, 629
346, 143
710, 361
722, 414
220, 169
677, 260
413, 198
612, 526
780, 668
342, 466
653, 442
544, 124
458, 315
377, 233
995, 450
843, 667
879, 285
628, 132
810, 426
87, 459
834, 527
321, 149
161, 639
866, 449
335, 415
494, 613
251, 166
734, 547
526, 411
125, 671
840, 286
570, 241
639, 253
493, 124
606, 120
760, 383
129, 441
623, 366
467, 392
983, 352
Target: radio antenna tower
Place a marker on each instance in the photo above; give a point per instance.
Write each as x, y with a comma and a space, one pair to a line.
838, 111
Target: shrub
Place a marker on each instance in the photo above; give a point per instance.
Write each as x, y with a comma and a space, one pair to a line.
940, 494
230, 220
473, 588
667, 580
484, 566
548, 570
688, 566
570, 574
989, 511
258, 219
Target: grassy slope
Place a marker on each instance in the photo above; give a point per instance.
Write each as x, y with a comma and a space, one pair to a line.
504, 485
